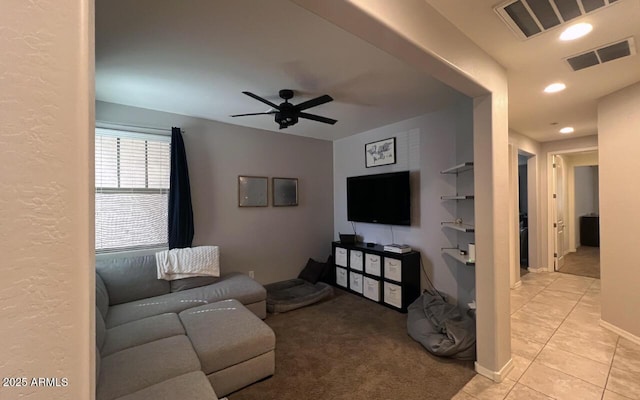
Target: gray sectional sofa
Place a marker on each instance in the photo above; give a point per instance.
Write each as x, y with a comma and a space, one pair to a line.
196, 338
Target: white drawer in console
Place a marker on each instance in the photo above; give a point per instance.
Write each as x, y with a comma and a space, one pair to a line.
372, 264
355, 260
393, 269
393, 294
355, 282
341, 277
371, 289
341, 257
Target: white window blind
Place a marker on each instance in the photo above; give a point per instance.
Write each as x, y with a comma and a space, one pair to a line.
132, 190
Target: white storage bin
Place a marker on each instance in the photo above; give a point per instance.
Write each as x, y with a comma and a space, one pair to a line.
355, 282
341, 257
393, 294
341, 277
372, 264
393, 269
356, 260
371, 289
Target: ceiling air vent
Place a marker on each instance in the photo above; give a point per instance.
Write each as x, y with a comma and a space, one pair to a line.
602, 54
529, 18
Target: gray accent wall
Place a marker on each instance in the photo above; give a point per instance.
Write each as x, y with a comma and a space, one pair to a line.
275, 242
425, 145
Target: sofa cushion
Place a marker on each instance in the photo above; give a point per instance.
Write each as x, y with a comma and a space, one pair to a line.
225, 334
131, 278
101, 330
142, 331
235, 285
102, 296
193, 282
191, 386
136, 368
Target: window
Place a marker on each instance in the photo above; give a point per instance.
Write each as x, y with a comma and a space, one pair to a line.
132, 190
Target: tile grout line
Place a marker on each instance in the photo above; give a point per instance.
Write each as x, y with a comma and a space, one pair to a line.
548, 340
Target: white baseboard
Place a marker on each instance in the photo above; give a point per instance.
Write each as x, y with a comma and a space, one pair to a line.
496, 376
517, 285
536, 270
619, 331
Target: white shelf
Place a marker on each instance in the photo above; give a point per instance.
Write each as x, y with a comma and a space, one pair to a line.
458, 197
458, 227
466, 166
455, 254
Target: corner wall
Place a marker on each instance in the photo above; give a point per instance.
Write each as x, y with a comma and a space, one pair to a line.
275, 242
618, 122
425, 145
46, 198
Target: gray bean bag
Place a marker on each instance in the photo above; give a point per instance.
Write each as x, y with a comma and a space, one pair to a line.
441, 327
295, 293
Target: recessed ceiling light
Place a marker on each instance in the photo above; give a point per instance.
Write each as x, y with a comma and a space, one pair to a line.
555, 87
576, 31
567, 129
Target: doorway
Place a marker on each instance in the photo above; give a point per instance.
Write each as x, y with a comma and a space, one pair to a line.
523, 211
575, 213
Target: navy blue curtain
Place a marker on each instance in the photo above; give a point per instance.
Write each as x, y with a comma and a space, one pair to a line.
180, 211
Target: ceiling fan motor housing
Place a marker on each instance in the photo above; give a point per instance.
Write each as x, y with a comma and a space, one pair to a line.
288, 115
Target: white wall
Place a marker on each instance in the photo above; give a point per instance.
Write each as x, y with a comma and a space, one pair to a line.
586, 195
618, 122
46, 200
425, 146
275, 242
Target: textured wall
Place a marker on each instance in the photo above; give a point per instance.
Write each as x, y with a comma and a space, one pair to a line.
46, 214
274, 242
618, 122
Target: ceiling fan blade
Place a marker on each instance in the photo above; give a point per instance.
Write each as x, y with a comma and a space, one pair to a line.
314, 102
317, 118
265, 101
262, 113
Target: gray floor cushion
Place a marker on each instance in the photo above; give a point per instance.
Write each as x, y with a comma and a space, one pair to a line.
295, 293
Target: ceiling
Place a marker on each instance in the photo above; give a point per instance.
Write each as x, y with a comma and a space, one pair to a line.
197, 59
534, 63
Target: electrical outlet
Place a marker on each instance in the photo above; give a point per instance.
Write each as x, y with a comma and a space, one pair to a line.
251, 274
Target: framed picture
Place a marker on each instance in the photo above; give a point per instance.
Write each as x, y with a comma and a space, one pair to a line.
285, 192
382, 152
252, 191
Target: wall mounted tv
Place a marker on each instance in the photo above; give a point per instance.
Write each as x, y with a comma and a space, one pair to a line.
380, 199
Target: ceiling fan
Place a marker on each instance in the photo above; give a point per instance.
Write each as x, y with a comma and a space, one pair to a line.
287, 114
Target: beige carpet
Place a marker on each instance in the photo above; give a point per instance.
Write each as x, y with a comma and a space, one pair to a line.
351, 348
584, 262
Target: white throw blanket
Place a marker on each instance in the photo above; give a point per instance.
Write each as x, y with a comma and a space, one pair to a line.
188, 262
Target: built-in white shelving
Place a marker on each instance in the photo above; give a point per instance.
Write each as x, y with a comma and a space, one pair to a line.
466, 166
458, 197
458, 227
455, 254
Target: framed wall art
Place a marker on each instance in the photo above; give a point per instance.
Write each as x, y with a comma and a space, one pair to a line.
382, 152
285, 192
252, 191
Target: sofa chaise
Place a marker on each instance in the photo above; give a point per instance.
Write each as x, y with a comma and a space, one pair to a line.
196, 338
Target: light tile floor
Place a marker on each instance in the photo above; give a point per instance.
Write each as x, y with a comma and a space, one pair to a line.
558, 348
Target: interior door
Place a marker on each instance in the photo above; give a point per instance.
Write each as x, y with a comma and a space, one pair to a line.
559, 211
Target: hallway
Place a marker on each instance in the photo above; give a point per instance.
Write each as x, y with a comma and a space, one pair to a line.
559, 350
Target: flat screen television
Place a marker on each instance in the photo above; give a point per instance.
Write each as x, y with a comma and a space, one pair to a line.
380, 198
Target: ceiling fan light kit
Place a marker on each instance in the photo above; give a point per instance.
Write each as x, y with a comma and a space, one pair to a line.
287, 114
